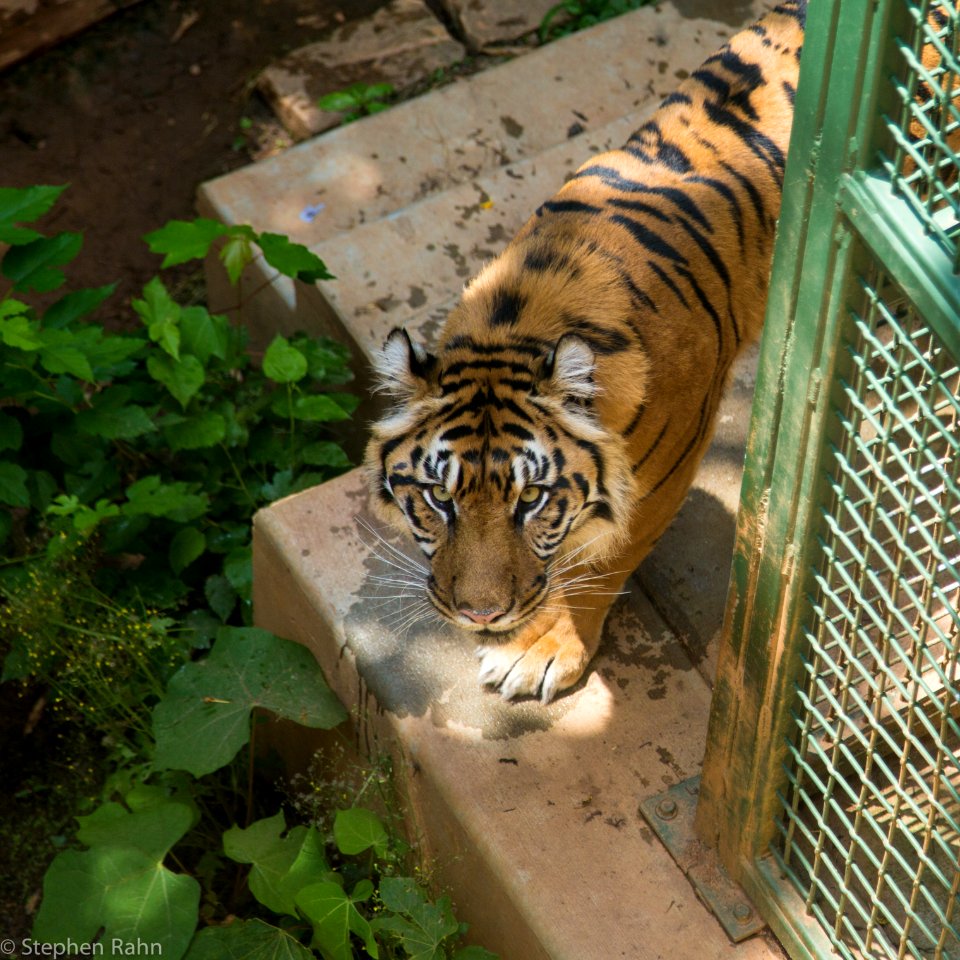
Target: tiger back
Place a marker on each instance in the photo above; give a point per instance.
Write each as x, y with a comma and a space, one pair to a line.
544, 447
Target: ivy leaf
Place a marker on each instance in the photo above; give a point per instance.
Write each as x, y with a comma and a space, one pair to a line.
423, 926
183, 377
204, 334
220, 595
292, 259
13, 485
359, 829
473, 952
161, 314
193, 433
114, 417
237, 252
61, 352
24, 205
318, 407
238, 569
188, 544
339, 101
325, 453
11, 433
334, 917
204, 717
19, 331
73, 306
247, 940
153, 498
36, 265
284, 363
183, 240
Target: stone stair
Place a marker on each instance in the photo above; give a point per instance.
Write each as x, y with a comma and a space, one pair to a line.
529, 815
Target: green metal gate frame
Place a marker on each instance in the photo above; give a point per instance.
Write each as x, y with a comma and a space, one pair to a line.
847, 208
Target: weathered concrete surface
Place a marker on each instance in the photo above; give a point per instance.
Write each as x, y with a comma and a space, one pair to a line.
401, 43
529, 813
377, 166
486, 25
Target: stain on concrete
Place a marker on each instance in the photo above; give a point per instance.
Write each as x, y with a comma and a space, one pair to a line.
511, 126
417, 298
453, 251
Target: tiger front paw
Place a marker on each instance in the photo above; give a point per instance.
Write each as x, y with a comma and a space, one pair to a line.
541, 669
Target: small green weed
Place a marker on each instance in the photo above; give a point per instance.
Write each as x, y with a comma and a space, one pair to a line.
578, 14
358, 100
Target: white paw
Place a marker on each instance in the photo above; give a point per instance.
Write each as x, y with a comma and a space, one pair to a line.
518, 674
495, 664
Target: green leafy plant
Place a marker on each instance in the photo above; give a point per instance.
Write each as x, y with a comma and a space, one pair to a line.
358, 100
130, 466
578, 14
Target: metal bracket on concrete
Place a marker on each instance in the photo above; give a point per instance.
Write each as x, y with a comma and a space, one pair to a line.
670, 814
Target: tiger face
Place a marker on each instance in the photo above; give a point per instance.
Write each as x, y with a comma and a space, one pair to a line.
494, 461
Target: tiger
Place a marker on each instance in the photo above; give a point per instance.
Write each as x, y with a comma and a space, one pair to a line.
539, 451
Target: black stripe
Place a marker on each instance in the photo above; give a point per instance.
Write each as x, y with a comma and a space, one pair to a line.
506, 307
709, 251
668, 280
755, 198
648, 239
569, 206
515, 430
759, 144
705, 303
639, 206
729, 196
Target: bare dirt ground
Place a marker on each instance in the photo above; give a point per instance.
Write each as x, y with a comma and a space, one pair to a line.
139, 109
133, 114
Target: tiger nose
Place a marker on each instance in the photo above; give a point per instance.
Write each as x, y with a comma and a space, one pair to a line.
482, 616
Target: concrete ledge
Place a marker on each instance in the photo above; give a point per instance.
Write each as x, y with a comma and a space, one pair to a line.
530, 813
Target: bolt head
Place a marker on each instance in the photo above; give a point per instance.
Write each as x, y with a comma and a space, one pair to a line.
667, 809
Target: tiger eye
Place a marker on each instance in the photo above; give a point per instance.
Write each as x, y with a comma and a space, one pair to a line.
530, 494
440, 494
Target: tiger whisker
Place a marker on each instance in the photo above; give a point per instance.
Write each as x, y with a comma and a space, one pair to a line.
405, 560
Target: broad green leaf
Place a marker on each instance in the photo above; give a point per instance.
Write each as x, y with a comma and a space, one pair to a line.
11, 433
183, 377
73, 306
19, 331
236, 253
292, 259
325, 453
193, 433
318, 407
185, 547
280, 486
422, 925
334, 917
281, 865
151, 497
13, 485
377, 91
204, 334
284, 363
161, 314
238, 569
220, 595
153, 828
204, 718
247, 940
61, 352
359, 829
474, 952
340, 101
36, 265
11, 307
120, 892
183, 240
114, 417
24, 205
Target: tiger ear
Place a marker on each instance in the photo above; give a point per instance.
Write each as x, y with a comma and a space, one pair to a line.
569, 368
403, 367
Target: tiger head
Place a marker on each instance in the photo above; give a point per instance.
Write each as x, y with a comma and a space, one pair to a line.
493, 458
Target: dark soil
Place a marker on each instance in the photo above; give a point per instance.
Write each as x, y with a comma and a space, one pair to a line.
138, 110
134, 113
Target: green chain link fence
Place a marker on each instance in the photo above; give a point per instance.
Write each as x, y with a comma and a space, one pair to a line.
842, 639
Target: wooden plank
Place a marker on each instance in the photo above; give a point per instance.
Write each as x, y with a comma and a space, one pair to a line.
29, 26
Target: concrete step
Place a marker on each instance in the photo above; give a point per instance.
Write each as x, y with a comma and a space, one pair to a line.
528, 814
379, 165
